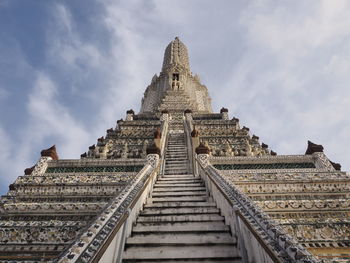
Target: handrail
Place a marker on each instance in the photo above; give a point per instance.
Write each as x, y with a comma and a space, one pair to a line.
280, 246
163, 142
187, 130
92, 243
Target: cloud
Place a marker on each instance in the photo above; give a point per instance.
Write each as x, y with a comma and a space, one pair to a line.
282, 68
49, 118
294, 76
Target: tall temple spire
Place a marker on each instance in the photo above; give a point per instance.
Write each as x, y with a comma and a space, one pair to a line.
176, 54
178, 183
176, 89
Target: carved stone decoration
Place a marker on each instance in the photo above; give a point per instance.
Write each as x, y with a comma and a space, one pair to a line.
153, 149
223, 110
203, 159
312, 148
164, 116
202, 149
153, 160
194, 133
224, 113
322, 161
130, 115
41, 166
28, 171
50, 152
336, 166
131, 111
157, 134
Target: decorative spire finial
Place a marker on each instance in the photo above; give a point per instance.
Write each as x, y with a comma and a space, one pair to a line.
176, 53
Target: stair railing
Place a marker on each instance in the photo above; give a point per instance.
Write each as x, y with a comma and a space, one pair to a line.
104, 239
260, 239
187, 130
163, 143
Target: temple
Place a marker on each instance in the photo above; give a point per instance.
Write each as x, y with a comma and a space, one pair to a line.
177, 182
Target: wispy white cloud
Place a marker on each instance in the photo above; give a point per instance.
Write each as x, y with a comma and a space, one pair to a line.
48, 118
282, 68
295, 74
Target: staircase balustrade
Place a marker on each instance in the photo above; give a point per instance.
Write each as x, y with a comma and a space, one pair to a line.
257, 233
104, 240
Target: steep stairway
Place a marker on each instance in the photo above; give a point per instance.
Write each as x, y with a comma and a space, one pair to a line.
179, 223
176, 158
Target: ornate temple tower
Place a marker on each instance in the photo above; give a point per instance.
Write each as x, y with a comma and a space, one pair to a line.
178, 183
176, 89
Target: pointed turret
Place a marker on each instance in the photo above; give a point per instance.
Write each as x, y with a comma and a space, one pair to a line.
176, 54
176, 89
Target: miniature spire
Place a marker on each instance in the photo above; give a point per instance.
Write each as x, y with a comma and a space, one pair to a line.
176, 53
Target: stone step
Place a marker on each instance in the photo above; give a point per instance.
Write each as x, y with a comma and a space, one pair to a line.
178, 199
179, 204
179, 210
178, 189
183, 193
183, 162
178, 181
180, 252
175, 166
171, 170
178, 176
182, 178
176, 156
171, 181
164, 239
213, 260
177, 171
174, 161
181, 227
181, 218
178, 184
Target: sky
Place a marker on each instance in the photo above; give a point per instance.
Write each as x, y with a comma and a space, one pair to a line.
70, 69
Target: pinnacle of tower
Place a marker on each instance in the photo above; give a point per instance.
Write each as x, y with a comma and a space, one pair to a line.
176, 53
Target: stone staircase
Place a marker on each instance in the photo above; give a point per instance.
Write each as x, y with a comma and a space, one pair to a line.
179, 223
176, 158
